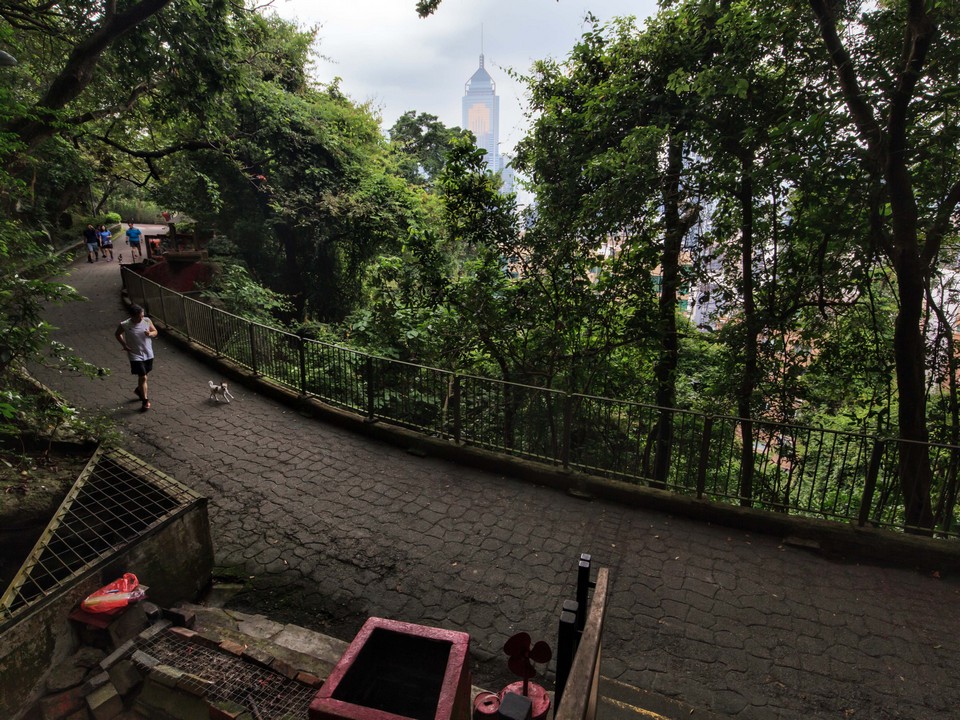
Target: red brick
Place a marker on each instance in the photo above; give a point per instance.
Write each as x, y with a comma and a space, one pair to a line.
207, 639
309, 679
233, 648
57, 707
97, 620
284, 668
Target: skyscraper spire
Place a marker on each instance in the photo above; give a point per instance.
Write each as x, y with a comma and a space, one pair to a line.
481, 116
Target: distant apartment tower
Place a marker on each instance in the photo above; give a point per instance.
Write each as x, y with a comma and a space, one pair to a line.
481, 116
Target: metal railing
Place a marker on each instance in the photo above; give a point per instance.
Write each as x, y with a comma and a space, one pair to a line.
796, 470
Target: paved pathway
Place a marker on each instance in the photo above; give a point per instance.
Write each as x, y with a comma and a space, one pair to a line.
329, 528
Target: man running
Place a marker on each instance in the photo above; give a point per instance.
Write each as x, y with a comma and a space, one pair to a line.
134, 236
135, 335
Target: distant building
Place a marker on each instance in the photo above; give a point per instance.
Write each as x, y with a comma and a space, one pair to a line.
481, 116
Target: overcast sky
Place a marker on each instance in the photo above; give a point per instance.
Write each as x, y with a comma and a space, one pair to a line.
387, 55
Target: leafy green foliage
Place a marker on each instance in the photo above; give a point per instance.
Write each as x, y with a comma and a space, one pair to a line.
422, 142
236, 290
298, 176
712, 150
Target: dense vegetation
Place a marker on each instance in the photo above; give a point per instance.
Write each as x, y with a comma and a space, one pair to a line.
791, 166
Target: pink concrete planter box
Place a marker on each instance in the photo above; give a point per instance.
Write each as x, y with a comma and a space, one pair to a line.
394, 670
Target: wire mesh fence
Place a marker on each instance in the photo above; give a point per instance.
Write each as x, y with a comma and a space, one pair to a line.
227, 677
116, 499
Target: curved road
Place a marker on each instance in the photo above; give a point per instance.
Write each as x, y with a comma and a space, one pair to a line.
327, 528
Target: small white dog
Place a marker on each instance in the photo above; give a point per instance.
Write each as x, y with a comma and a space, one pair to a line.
219, 391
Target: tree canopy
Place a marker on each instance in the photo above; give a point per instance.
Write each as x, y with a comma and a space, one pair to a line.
741, 207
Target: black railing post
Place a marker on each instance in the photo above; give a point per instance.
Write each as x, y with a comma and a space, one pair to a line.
253, 349
216, 335
748, 460
704, 456
144, 302
302, 356
371, 390
870, 484
583, 587
566, 648
567, 431
455, 402
163, 309
186, 317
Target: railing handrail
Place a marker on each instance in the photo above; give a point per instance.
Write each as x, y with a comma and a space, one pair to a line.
789, 468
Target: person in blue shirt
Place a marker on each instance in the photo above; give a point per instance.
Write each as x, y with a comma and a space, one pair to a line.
106, 242
134, 236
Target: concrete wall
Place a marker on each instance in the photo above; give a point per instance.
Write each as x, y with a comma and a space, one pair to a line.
174, 560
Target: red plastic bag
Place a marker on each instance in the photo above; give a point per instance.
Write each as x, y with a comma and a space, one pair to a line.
113, 598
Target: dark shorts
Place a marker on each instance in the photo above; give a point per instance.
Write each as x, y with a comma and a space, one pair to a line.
107, 244
141, 367
133, 243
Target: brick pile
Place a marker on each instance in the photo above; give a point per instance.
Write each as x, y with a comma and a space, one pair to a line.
111, 678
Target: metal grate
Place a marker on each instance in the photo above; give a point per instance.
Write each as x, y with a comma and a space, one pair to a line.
116, 498
267, 694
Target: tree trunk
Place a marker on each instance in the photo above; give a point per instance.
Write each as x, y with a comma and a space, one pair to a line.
666, 366
748, 378
79, 71
888, 153
910, 356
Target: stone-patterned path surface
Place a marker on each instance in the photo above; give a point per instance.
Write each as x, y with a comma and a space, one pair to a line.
328, 528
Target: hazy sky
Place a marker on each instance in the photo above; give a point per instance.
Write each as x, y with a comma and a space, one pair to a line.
387, 55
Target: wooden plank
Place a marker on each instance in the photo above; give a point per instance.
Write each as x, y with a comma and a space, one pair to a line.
580, 696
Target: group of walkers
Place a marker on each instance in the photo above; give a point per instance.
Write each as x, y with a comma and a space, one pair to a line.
136, 333
100, 242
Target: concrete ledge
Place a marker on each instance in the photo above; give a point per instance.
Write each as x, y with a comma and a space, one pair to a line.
840, 541
266, 642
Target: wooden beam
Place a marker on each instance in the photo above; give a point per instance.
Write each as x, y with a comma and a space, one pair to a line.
581, 694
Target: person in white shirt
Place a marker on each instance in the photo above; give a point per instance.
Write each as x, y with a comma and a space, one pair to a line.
135, 335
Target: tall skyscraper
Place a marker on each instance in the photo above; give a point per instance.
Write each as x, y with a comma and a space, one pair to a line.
481, 116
